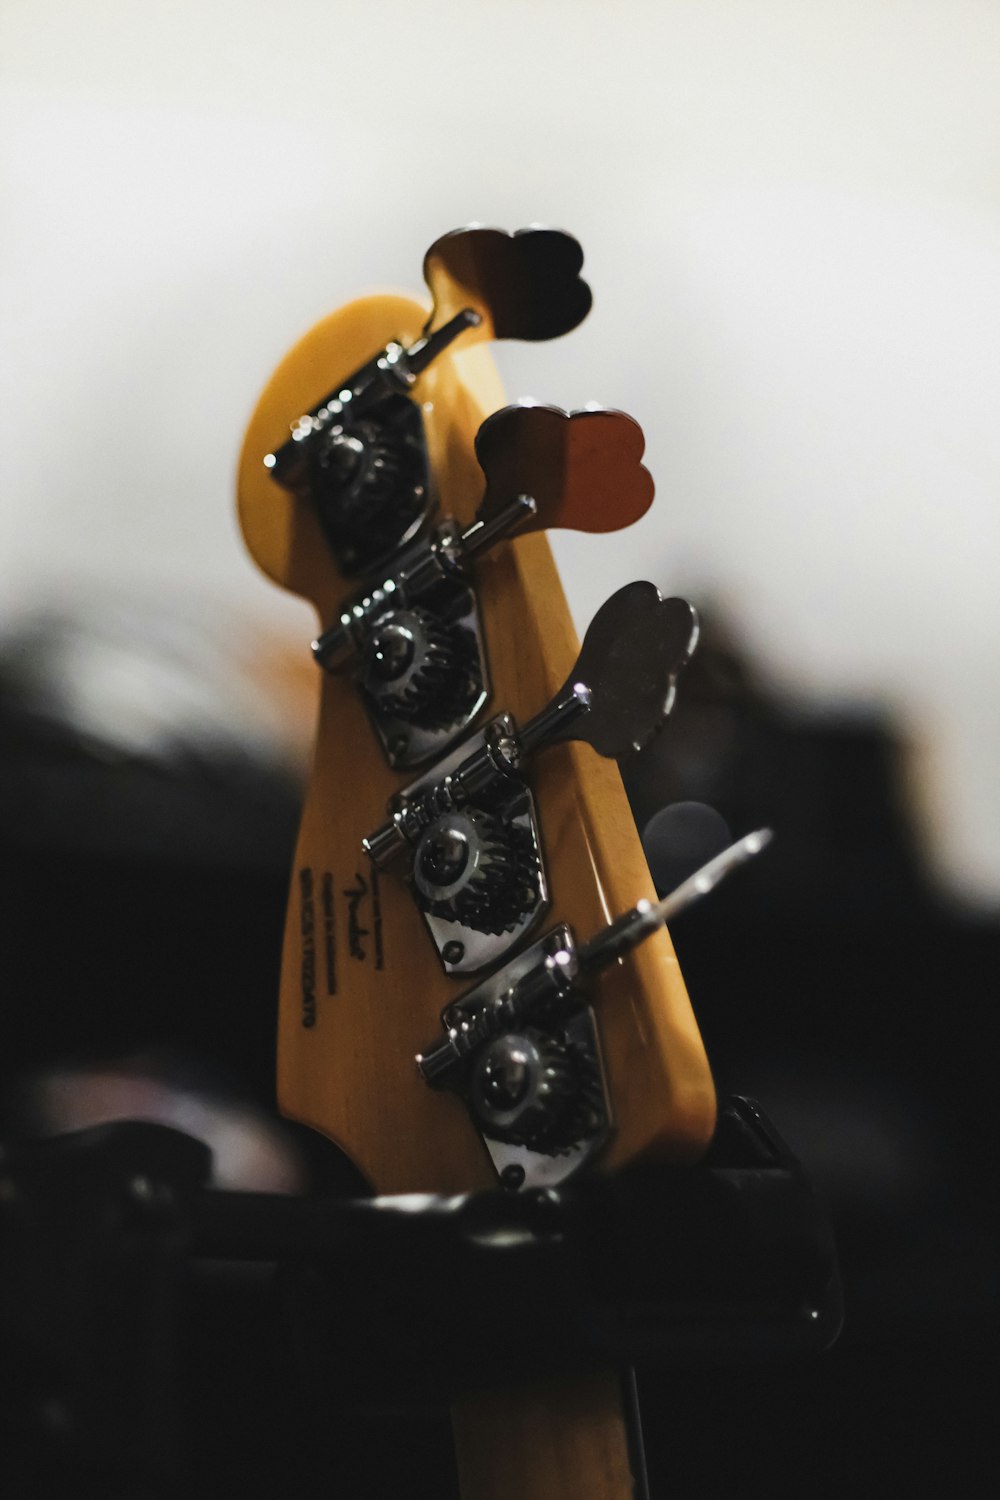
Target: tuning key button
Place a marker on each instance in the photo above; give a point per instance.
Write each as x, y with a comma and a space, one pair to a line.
525, 285
582, 469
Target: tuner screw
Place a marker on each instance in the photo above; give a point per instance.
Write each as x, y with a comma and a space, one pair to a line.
505, 750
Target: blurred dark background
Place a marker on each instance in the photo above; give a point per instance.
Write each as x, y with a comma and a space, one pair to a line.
143, 888
790, 221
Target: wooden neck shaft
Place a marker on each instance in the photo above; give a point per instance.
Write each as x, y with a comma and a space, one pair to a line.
560, 1439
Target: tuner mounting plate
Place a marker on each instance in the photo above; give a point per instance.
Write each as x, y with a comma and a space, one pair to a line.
467, 949
520, 1166
410, 740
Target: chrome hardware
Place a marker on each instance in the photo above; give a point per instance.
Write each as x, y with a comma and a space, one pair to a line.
416, 641
617, 696
522, 1047
360, 454
421, 575
418, 635
531, 1076
474, 852
360, 457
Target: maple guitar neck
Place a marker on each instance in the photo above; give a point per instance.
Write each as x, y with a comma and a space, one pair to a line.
362, 987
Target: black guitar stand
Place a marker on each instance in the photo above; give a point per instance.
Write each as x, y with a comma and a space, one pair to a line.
110, 1232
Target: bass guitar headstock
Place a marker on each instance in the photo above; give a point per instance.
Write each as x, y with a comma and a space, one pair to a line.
383, 479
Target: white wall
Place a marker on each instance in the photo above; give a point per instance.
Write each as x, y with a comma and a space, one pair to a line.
791, 214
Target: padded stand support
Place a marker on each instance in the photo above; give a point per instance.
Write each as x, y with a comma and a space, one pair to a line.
105, 1231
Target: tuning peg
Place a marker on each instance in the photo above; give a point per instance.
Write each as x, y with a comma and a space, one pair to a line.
617, 696
522, 1013
582, 469
485, 283
544, 469
562, 963
624, 681
525, 285
476, 808
360, 454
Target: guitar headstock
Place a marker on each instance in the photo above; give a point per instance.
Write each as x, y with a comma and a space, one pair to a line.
451, 687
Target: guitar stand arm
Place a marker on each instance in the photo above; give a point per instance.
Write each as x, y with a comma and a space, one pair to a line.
395, 1296
730, 1260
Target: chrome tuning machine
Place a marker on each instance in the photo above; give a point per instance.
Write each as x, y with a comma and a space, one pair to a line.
416, 641
466, 834
360, 454
522, 1048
